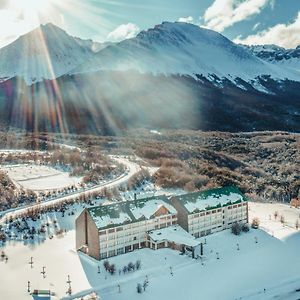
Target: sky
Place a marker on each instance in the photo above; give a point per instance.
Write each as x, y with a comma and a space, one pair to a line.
243, 21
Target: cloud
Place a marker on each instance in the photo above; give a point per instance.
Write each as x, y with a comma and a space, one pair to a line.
189, 19
123, 32
225, 13
284, 35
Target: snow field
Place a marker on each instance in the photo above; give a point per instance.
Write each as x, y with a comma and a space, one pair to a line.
272, 264
40, 178
265, 213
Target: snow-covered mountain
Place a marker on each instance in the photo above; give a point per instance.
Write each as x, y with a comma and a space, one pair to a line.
180, 48
47, 52
288, 58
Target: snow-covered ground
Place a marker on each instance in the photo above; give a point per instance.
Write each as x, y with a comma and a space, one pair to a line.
266, 214
39, 177
132, 168
272, 264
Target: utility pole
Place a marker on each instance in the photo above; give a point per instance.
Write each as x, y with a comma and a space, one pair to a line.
28, 286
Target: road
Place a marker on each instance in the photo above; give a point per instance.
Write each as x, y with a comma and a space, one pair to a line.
132, 168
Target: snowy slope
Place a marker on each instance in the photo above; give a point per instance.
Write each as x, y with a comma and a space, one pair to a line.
180, 48
47, 52
287, 58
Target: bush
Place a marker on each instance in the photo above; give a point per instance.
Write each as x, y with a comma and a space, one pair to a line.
255, 223
112, 269
138, 264
236, 228
245, 228
106, 265
131, 266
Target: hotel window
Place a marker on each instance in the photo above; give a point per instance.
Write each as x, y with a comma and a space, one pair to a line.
120, 251
111, 230
103, 232
103, 245
103, 255
119, 228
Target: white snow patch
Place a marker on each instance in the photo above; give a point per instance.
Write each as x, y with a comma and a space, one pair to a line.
39, 177
212, 201
150, 207
174, 234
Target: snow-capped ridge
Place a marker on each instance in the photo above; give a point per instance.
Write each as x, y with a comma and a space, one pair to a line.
286, 58
185, 49
46, 52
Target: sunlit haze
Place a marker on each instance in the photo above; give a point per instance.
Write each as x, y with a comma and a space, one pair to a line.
149, 149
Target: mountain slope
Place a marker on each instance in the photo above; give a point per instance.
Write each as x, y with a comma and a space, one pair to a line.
106, 102
287, 58
47, 52
180, 48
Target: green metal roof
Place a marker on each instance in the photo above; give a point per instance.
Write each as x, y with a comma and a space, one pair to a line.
116, 214
211, 199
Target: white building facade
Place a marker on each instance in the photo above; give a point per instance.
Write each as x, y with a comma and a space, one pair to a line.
204, 213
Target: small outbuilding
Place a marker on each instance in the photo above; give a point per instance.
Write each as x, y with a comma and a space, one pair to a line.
175, 237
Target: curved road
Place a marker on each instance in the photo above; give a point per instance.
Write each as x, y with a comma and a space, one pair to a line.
131, 166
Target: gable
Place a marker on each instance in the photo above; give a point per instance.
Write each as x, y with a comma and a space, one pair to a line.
161, 211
